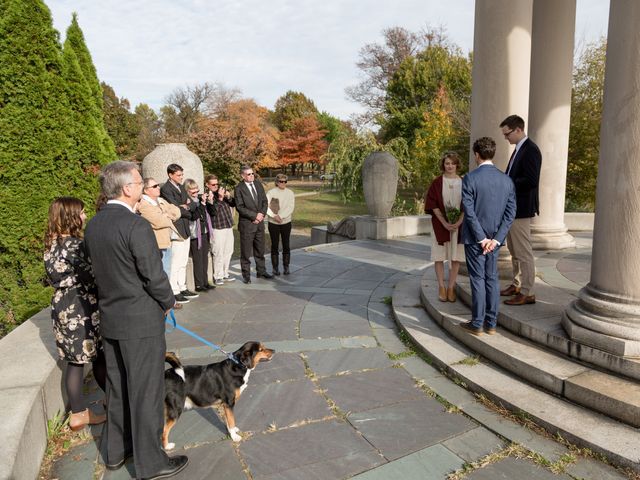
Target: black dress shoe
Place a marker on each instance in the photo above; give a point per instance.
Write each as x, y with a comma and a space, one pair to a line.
201, 289
264, 275
210, 287
246, 280
175, 465
116, 466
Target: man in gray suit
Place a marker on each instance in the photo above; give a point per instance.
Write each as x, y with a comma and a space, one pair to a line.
133, 294
489, 202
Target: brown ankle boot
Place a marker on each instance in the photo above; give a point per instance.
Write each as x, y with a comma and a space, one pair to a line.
451, 294
77, 421
442, 294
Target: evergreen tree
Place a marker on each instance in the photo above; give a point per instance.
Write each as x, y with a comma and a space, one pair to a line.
122, 125
75, 41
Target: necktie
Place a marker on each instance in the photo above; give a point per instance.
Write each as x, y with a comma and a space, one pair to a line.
253, 191
510, 164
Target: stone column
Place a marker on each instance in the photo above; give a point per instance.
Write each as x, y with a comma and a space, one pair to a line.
550, 113
501, 65
607, 313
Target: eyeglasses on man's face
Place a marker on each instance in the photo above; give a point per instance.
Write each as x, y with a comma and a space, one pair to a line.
506, 134
249, 173
211, 185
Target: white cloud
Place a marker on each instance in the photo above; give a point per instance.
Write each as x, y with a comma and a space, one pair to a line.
146, 48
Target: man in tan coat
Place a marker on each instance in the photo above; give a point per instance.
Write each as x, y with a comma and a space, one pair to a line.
160, 215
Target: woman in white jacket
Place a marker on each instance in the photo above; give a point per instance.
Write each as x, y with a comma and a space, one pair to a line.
281, 204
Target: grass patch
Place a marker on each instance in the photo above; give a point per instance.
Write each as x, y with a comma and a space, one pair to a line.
323, 208
471, 361
387, 300
60, 439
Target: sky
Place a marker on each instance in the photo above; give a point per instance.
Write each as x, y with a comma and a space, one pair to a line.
145, 49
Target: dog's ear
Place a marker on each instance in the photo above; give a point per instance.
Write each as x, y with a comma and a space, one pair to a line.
247, 352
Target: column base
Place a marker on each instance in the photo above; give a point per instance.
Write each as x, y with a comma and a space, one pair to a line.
604, 321
545, 238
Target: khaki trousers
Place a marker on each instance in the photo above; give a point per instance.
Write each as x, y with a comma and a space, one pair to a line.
524, 267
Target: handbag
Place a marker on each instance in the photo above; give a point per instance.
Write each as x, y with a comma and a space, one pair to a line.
193, 229
274, 205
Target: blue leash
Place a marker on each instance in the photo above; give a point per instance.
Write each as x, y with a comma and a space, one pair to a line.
171, 320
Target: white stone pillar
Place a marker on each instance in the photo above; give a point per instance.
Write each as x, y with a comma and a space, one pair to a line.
501, 65
607, 313
550, 114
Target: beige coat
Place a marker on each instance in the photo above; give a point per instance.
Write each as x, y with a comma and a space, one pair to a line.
161, 217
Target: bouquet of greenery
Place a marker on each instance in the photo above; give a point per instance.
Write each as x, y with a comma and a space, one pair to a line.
453, 214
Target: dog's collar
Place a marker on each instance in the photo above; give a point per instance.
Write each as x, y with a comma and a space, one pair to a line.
233, 358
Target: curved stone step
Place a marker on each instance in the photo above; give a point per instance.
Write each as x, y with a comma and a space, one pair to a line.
437, 334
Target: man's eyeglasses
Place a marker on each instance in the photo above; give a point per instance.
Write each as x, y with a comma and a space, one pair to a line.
506, 134
153, 186
282, 181
212, 184
250, 173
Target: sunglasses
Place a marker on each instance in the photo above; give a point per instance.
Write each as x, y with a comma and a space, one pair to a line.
153, 186
282, 181
212, 184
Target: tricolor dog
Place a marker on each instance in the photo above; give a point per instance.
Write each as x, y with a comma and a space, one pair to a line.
204, 386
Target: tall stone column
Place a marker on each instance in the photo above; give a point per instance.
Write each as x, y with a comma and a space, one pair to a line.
607, 312
501, 65
550, 114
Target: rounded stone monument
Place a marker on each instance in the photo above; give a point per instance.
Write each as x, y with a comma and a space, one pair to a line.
380, 183
155, 164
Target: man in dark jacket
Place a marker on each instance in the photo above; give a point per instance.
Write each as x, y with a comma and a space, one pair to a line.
251, 203
524, 169
134, 294
174, 192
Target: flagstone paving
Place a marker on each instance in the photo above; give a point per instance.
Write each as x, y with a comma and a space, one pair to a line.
340, 397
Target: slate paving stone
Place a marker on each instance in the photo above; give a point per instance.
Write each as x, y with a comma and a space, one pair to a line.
323, 450
352, 284
433, 463
280, 404
367, 273
342, 300
362, 391
514, 468
334, 313
589, 469
380, 293
282, 299
474, 444
77, 463
209, 461
260, 332
282, 367
302, 280
331, 362
200, 425
358, 342
388, 339
399, 429
334, 328
270, 313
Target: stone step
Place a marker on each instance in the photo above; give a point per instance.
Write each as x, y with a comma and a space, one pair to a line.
592, 390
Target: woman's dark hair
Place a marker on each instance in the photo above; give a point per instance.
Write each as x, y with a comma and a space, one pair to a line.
64, 219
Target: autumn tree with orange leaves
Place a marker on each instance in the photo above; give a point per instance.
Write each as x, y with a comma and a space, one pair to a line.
303, 143
239, 133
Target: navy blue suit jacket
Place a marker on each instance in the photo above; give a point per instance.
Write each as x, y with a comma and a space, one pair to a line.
489, 201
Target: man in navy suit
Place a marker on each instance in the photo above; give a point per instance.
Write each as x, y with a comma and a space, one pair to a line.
489, 202
251, 203
524, 169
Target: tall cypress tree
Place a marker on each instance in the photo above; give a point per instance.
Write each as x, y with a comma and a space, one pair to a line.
75, 41
38, 159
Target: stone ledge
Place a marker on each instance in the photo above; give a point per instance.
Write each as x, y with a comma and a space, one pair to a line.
30, 379
578, 424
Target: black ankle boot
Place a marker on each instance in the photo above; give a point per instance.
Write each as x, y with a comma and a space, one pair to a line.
285, 262
274, 264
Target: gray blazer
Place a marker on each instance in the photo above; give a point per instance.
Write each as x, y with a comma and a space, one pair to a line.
133, 290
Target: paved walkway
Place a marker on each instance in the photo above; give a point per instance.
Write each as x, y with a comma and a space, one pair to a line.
342, 396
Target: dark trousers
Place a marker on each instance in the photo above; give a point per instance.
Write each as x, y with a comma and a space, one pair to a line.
485, 287
277, 232
200, 261
252, 242
135, 403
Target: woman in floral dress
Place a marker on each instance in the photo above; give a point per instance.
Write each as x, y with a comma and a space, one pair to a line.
74, 306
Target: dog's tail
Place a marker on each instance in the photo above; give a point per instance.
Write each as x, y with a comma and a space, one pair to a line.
172, 359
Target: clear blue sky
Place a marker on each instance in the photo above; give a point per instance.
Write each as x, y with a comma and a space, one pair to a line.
146, 48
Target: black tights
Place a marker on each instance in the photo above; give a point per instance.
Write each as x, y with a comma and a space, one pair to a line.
75, 380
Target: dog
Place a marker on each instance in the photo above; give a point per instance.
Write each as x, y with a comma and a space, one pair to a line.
204, 386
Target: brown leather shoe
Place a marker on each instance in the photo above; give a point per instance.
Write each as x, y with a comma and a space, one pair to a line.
521, 299
451, 294
442, 294
468, 326
509, 291
490, 330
